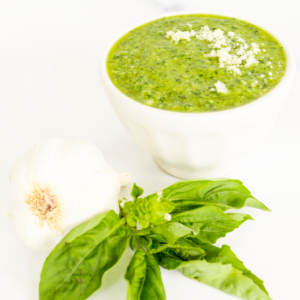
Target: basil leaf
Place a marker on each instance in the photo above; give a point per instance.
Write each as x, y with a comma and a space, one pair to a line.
252, 202
170, 232
136, 191
210, 222
147, 211
225, 193
185, 249
225, 255
144, 278
224, 277
132, 242
168, 260
74, 269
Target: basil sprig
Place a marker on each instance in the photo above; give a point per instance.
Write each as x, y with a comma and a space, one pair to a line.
75, 268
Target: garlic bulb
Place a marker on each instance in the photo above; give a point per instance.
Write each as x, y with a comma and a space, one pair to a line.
59, 184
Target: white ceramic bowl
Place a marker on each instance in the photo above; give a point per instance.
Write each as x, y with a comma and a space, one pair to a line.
198, 145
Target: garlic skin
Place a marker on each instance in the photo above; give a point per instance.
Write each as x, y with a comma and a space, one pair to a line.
57, 185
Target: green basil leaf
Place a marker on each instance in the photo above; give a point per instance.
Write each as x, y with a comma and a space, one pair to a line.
131, 220
148, 211
74, 269
224, 277
170, 232
185, 249
144, 278
132, 242
127, 207
226, 256
210, 222
252, 202
224, 193
136, 191
168, 260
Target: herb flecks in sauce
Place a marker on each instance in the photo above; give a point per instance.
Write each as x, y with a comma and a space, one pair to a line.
152, 69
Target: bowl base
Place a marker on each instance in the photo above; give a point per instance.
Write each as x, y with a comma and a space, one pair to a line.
191, 173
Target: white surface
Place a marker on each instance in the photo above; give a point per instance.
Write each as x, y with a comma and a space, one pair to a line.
50, 87
207, 145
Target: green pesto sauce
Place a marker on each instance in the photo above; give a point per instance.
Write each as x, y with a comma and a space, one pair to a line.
152, 69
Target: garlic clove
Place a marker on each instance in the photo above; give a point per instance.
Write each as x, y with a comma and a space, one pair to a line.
59, 184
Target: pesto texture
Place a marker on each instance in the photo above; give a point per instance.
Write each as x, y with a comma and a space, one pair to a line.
153, 69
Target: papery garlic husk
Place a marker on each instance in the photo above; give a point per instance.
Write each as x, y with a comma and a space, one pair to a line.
59, 184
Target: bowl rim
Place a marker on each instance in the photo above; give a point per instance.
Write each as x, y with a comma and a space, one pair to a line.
288, 76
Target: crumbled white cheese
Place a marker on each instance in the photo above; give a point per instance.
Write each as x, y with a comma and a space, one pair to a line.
179, 35
212, 89
251, 60
221, 88
271, 67
264, 50
262, 76
243, 82
255, 46
193, 33
234, 69
270, 73
167, 217
231, 59
216, 37
269, 63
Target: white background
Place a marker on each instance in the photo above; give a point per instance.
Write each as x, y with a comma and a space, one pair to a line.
49, 86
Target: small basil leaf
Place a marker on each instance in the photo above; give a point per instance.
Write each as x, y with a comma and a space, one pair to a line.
185, 249
136, 191
168, 260
170, 232
132, 242
149, 211
210, 222
225, 255
127, 207
131, 220
225, 193
144, 278
146, 242
75, 268
252, 202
